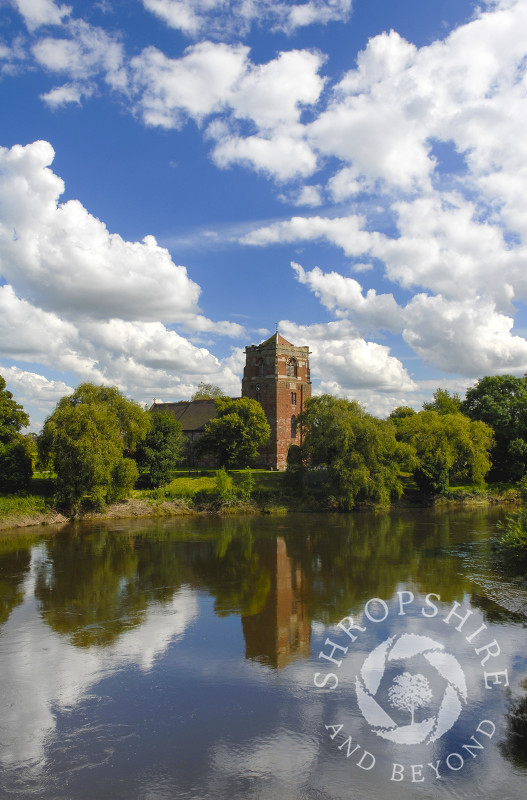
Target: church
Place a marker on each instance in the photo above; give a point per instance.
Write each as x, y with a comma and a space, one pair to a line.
276, 374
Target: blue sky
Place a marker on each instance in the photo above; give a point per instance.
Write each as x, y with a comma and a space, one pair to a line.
178, 176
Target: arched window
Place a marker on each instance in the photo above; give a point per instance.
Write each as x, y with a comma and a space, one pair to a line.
261, 367
291, 369
293, 427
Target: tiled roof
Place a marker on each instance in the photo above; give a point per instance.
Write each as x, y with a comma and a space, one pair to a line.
192, 414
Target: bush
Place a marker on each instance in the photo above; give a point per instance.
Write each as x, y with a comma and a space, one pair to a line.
512, 544
15, 467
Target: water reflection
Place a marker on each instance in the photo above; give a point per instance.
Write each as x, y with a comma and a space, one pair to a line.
187, 644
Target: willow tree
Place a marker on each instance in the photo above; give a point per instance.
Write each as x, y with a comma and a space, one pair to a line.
352, 456
89, 439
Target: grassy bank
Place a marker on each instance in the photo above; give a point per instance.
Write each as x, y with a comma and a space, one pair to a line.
198, 492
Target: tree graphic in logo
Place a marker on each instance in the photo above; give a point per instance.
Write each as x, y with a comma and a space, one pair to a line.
410, 692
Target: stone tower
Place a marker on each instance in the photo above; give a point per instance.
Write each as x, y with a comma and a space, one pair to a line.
277, 375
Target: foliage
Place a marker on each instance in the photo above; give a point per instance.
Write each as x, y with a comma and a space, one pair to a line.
207, 391
235, 436
12, 416
350, 455
401, 412
89, 435
16, 465
160, 450
501, 402
444, 402
246, 484
512, 544
449, 448
223, 485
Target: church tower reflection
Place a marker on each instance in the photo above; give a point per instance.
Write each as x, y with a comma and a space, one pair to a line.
281, 631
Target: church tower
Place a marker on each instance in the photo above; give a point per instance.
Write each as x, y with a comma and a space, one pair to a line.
277, 375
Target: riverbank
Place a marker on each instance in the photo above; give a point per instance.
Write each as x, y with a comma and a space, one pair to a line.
193, 494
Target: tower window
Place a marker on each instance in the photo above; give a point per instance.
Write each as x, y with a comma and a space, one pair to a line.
293, 427
261, 367
293, 398
259, 396
291, 368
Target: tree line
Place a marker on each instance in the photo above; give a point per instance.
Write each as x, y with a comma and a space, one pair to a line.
97, 442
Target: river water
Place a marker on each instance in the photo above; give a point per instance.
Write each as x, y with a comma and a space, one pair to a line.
203, 658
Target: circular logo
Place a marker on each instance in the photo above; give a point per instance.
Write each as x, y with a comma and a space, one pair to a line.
410, 691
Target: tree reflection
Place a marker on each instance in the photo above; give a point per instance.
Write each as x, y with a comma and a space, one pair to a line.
277, 574
15, 559
97, 585
514, 748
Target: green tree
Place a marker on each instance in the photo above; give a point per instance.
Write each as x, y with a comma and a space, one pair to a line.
237, 432
89, 437
15, 459
207, 391
159, 452
353, 456
444, 402
450, 448
501, 402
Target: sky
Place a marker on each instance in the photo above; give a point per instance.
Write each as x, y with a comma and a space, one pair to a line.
178, 178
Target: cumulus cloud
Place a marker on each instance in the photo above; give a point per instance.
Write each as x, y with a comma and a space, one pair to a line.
32, 388
195, 85
42, 12
344, 296
348, 365
213, 78
84, 52
66, 94
466, 337
224, 17
96, 304
66, 260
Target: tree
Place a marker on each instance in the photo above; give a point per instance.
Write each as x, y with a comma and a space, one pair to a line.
449, 448
501, 402
444, 402
160, 450
409, 692
237, 432
89, 437
207, 391
353, 456
15, 460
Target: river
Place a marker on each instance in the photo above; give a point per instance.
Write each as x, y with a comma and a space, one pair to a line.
202, 658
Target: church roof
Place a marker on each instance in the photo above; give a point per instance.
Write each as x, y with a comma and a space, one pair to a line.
192, 414
277, 339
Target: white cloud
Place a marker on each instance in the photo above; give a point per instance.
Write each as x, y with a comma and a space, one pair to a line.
235, 17
32, 388
195, 85
466, 337
66, 260
346, 362
83, 53
42, 12
66, 94
344, 296
345, 232
95, 302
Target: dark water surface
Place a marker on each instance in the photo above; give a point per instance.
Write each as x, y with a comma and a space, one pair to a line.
179, 659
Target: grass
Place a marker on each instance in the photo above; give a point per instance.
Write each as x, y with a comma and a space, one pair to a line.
17, 505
